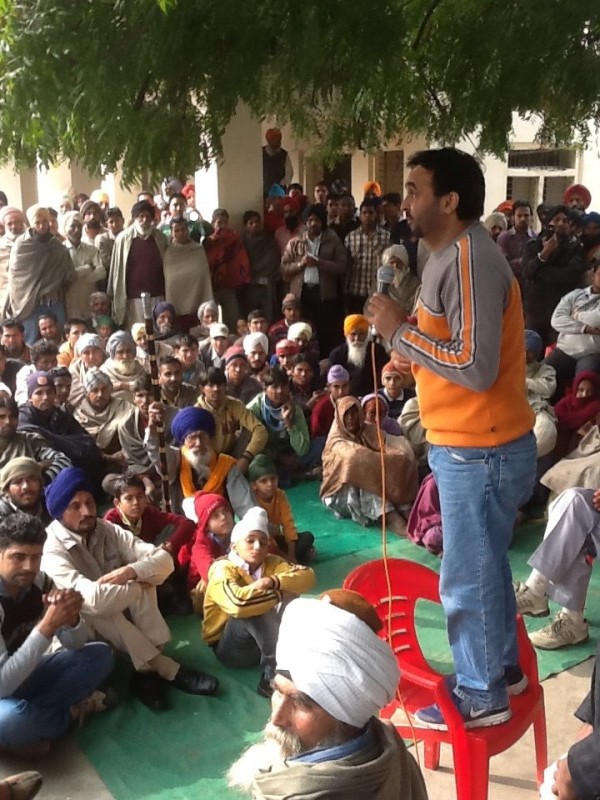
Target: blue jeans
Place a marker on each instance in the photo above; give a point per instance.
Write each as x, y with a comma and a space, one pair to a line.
39, 709
481, 489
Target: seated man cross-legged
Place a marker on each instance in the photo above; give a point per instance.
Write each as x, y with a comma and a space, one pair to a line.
117, 574
40, 693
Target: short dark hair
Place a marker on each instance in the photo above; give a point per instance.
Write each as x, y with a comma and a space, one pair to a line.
275, 376
13, 323
185, 339
303, 358
347, 196
332, 196
166, 360
322, 183
124, 482
48, 315
296, 186
368, 203
257, 313
74, 321
10, 405
114, 211
248, 215
142, 384
177, 196
214, 375
522, 204
177, 221
40, 349
60, 372
454, 170
21, 528
395, 198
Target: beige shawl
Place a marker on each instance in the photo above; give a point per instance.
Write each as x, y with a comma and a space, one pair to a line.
104, 425
356, 460
37, 270
187, 277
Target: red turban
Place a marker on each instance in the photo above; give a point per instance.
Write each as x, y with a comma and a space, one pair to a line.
581, 190
273, 137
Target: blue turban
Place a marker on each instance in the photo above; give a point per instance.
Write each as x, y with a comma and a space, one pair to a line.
191, 420
64, 488
533, 342
593, 216
161, 307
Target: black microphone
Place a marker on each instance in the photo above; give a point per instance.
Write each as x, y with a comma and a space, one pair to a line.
385, 278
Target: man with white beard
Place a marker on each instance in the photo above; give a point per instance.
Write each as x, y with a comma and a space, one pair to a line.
355, 356
323, 739
192, 462
13, 221
136, 266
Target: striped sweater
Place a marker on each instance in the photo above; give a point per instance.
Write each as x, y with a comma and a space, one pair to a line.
468, 346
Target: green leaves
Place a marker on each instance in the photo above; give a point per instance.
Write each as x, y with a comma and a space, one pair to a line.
150, 85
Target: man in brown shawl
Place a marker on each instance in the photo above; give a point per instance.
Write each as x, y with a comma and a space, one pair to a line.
352, 479
40, 271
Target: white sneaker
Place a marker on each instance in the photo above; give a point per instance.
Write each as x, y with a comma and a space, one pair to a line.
529, 603
561, 632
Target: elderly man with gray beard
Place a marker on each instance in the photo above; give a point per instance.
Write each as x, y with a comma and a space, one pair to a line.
355, 355
192, 462
136, 266
323, 738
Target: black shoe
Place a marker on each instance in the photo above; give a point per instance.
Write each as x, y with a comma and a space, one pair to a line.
194, 682
516, 680
265, 687
149, 688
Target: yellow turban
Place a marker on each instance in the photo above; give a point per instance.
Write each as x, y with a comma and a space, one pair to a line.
356, 322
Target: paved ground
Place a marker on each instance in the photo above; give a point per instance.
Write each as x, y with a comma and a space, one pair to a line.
69, 776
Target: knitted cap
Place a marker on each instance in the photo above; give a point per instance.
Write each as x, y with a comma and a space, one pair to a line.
19, 468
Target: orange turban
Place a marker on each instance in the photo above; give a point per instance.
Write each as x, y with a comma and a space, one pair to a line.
273, 137
355, 322
372, 187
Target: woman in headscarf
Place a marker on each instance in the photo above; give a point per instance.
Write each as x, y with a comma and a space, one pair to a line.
89, 354
386, 423
121, 366
352, 481
577, 411
138, 332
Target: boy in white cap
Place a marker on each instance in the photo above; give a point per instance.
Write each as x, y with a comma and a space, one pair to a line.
245, 596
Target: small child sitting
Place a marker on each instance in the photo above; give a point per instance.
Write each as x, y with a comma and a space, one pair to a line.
295, 546
161, 528
210, 541
104, 327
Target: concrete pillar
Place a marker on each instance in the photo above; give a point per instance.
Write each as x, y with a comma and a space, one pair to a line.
234, 183
19, 187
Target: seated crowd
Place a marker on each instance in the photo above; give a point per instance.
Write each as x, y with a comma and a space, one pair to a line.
266, 376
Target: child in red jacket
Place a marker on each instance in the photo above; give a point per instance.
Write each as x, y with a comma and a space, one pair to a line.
161, 528
209, 542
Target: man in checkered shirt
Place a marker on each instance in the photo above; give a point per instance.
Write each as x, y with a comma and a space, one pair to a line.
365, 246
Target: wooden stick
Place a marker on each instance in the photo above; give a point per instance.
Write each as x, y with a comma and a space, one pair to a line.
162, 445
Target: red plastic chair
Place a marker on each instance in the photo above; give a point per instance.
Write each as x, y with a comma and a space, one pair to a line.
420, 685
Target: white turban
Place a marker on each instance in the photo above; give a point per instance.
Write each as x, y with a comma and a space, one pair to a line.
251, 340
300, 329
255, 519
68, 218
395, 251
337, 660
87, 340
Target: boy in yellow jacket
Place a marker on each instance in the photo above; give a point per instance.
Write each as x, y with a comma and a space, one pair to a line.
246, 595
